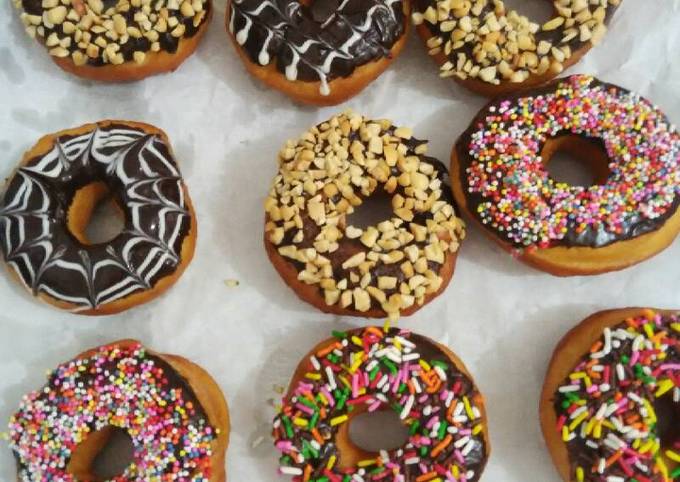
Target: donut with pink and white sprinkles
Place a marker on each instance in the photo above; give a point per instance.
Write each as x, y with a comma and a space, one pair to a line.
502, 180
122, 386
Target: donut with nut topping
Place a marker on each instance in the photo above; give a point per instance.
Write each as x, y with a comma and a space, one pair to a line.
493, 50
393, 267
116, 40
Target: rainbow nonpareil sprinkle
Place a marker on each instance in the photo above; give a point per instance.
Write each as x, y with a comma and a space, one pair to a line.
606, 406
123, 387
380, 369
513, 194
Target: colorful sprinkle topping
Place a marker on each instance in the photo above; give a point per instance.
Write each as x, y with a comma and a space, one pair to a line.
606, 407
123, 387
519, 200
377, 369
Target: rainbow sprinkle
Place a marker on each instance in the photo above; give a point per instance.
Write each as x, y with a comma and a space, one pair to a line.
605, 407
118, 386
519, 200
375, 369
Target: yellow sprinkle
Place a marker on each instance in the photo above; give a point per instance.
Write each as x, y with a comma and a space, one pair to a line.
648, 329
647, 446
323, 398
468, 408
675, 326
650, 411
580, 477
590, 426
455, 471
338, 420
313, 376
300, 422
597, 433
565, 433
386, 325
356, 364
577, 421
331, 462
357, 341
366, 463
426, 366
664, 387
477, 429
674, 456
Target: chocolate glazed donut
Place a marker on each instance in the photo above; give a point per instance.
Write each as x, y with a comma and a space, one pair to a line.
50, 199
318, 52
631, 212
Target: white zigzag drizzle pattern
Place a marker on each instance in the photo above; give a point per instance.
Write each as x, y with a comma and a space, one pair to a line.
30, 200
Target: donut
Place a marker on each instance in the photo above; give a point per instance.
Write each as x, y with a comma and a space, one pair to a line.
380, 369
494, 51
499, 176
115, 41
318, 52
610, 407
394, 267
49, 201
172, 409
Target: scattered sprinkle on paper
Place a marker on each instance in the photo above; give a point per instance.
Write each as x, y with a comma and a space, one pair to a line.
231, 283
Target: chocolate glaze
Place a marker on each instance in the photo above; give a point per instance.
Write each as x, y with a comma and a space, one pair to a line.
326, 40
601, 237
143, 179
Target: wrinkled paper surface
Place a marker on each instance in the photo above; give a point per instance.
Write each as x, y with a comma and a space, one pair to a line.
501, 317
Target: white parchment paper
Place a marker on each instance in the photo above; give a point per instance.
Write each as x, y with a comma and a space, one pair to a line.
500, 316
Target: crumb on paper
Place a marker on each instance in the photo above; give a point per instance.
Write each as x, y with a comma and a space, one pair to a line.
231, 283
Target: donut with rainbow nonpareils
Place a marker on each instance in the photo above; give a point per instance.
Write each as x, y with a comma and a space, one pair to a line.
610, 407
370, 369
49, 201
630, 213
172, 409
320, 51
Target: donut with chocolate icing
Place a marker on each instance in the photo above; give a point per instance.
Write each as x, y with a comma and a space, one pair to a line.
171, 408
499, 176
318, 51
375, 369
395, 266
610, 407
116, 40
493, 51
48, 203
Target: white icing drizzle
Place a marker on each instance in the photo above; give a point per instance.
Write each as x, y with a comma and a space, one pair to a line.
251, 16
149, 178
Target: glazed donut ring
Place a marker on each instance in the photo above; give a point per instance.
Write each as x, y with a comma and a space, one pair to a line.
394, 267
371, 369
494, 51
172, 409
49, 200
499, 177
119, 40
600, 409
318, 51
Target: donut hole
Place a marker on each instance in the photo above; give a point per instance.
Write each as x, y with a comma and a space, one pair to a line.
575, 160
372, 211
375, 431
103, 455
538, 11
668, 426
94, 216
